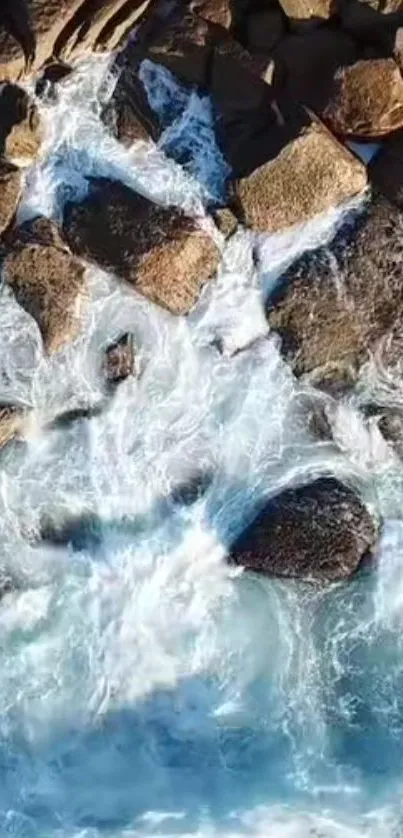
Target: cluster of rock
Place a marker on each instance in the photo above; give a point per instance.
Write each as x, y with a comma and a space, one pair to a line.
291, 83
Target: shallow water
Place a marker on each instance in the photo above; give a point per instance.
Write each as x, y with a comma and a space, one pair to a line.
145, 687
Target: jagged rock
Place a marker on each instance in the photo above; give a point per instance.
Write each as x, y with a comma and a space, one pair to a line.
10, 192
160, 251
216, 11
11, 423
120, 359
320, 531
32, 33
264, 29
340, 306
48, 282
20, 135
386, 169
367, 100
305, 64
226, 221
128, 114
305, 13
311, 174
51, 76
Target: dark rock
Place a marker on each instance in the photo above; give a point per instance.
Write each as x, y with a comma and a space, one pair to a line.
367, 100
216, 11
128, 114
48, 282
17, 38
120, 359
75, 414
10, 192
188, 492
373, 23
386, 169
305, 64
320, 532
20, 135
52, 75
265, 28
340, 306
311, 174
391, 427
160, 251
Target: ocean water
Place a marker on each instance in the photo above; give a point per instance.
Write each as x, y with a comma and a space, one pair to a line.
146, 688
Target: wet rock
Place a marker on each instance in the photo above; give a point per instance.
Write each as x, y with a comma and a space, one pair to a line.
75, 414
305, 64
192, 489
62, 529
367, 100
264, 29
10, 192
304, 13
17, 38
48, 282
320, 531
373, 23
20, 135
161, 252
216, 11
47, 83
226, 221
386, 169
12, 418
391, 427
128, 114
311, 174
340, 306
120, 359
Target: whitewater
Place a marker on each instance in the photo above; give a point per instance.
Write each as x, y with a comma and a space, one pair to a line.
146, 687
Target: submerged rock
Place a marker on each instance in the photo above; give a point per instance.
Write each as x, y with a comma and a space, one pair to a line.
320, 531
367, 101
340, 306
120, 359
10, 192
311, 174
20, 135
158, 250
48, 282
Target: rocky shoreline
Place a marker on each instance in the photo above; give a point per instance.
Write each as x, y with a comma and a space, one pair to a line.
291, 85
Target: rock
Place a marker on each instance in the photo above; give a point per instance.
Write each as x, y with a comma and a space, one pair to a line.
340, 306
367, 101
119, 359
216, 11
311, 174
386, 169
48, 282
51, 76
390, 424
128, 114
160, 251
320, 532
62, 528
10, 192
265, 28
305, 13
11, 423
35, 31
75, 414
305, 64
373, 23
20, 135
226, 221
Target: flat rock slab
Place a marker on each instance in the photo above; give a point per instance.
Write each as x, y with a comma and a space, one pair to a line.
321, 532
311, 174
339, 306
161, 252
48, 282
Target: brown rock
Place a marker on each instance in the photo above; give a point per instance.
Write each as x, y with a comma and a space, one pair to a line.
217, 11
226, 221
48, 282
11, 422
340, 306
305, 64
386, 169
10, 191
264, 29
311, 174
160, 251
367, 100
100, 24
19, 124
319, 532
17, 38
119, 359
128, 114
309, 12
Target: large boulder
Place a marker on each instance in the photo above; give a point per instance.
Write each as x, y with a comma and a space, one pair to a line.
320, 531
161, 252
48, 282
20, 135
311, 174
33, 31
373, 22
10, 192
367, 100
340, 306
